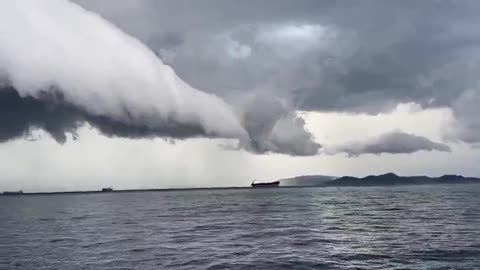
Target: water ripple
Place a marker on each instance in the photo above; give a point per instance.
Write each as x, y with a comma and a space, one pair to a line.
293, 228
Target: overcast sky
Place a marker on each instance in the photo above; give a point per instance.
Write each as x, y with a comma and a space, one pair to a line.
147, 93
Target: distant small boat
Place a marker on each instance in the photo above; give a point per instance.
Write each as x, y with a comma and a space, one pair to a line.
13, 192
265, 185
107, 189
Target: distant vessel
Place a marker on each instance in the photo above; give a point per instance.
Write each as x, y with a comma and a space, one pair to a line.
265, 185
13, 192
108, 189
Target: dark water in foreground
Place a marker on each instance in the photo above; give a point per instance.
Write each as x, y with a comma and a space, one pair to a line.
421, 227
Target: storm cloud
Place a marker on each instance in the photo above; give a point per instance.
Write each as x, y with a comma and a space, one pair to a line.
394, 142
353, 85
329, 56
326, 56
20, 116
83, 69
273, 127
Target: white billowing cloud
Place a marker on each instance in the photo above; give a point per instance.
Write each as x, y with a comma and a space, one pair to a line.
99, 68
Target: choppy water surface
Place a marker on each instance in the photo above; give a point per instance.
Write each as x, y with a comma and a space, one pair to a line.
427, 227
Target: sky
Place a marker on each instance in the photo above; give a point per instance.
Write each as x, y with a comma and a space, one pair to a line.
185, 93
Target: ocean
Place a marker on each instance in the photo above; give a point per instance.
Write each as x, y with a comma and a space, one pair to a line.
407, 227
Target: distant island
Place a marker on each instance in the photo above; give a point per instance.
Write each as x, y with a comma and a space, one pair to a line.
306, 180
389, 179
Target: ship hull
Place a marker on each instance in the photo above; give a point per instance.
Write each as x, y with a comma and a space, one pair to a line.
266, 185
11, 193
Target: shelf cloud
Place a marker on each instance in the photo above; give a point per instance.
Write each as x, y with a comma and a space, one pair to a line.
62, 65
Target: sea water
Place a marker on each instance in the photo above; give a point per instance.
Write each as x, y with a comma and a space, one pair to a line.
409, 227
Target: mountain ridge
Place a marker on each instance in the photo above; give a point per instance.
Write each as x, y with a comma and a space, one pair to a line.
387, 179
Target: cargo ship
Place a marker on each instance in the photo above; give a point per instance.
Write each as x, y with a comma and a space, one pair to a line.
266, 184
13, 192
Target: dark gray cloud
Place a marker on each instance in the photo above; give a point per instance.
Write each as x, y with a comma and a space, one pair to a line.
466, 111
274, 128
147, 18
22, 115
323, 55
383, 49
19, 116
395, 142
